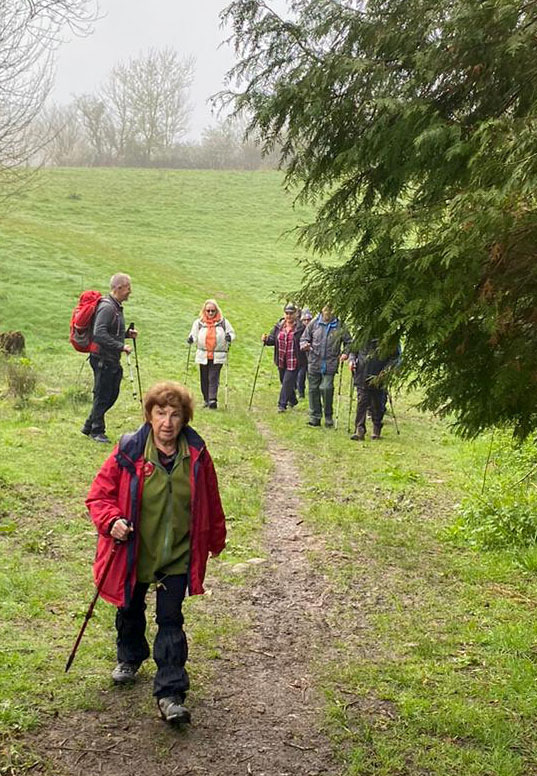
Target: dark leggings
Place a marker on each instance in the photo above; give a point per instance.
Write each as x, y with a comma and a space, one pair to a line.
170, 649
210, 380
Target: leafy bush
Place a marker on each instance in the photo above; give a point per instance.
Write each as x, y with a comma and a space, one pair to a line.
502, 512
21, 378
505, 517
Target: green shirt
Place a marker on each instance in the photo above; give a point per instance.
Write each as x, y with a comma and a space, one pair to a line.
164, 541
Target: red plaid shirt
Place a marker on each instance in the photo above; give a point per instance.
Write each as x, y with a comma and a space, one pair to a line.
287, 355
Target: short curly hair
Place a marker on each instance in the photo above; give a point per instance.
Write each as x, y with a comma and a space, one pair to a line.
170, 393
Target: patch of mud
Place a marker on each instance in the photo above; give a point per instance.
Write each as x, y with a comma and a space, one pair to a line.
263, 716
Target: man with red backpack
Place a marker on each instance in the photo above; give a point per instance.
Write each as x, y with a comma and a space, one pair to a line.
108, 343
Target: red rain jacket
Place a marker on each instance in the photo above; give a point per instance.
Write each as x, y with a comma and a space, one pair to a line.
117, 492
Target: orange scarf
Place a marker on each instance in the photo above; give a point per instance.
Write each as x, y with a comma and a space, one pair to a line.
210, 337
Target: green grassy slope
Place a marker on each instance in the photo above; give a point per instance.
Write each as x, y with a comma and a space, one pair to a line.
432, 667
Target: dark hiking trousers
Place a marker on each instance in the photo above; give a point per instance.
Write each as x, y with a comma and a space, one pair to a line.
106, 383
321, 395
287, 392
372, 399
301, 380
209, 381
170, 650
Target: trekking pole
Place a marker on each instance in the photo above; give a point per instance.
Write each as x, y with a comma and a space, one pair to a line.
255, 377
338, 402
226, 386
351, 397
89, 613
131, 377
140, 393
187, 364
393, 413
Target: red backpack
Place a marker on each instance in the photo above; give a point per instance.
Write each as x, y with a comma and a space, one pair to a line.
82, 322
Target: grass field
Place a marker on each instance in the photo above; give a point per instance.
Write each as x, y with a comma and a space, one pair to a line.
434, 670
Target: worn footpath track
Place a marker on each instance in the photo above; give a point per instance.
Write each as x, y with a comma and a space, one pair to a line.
263, 715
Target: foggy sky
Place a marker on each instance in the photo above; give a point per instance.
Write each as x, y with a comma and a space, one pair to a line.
130, 27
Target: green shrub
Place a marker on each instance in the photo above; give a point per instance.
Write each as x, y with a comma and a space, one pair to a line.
504, 517
500, 509
21, 378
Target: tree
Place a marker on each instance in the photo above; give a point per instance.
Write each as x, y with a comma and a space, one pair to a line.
411, 125
147, 101
29, 32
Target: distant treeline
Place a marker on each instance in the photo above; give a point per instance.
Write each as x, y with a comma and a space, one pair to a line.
139, 118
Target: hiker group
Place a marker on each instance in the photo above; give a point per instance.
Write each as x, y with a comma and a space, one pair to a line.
155, 500
316, 348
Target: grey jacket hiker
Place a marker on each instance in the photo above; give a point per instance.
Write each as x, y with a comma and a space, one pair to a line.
327, 341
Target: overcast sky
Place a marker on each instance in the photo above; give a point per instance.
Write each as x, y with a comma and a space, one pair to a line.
129, 27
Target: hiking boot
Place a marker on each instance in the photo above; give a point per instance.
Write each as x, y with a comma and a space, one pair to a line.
282, 409
376, 432
85, 431
100, 438
314, 423
358, 437
213, 405
124, 673
328, 422
172, 710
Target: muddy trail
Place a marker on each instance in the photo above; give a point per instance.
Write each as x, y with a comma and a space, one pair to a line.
262, 715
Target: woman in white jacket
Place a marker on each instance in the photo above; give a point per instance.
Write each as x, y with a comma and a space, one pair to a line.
212, 334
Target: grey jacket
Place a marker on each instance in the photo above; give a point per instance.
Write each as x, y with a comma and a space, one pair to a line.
109, 329
327, 341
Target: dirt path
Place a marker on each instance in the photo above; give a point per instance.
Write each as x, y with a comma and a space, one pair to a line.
263, 716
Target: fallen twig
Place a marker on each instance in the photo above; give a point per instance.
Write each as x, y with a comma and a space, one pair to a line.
261, 652
302, 748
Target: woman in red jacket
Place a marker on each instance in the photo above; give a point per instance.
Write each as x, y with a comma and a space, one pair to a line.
158, 495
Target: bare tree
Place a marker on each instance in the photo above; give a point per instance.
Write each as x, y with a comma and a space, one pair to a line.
29, 32
99, 129
149, 98
62, 124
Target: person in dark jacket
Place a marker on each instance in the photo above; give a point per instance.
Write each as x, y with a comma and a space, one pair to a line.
305, 318
326, 342
157, 494
370, 370
109, 334
285, 338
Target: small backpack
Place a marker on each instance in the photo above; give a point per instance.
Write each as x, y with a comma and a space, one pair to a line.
81, 329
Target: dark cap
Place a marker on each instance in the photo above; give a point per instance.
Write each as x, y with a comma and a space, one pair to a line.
289, 308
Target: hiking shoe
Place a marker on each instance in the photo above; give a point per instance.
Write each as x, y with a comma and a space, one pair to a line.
314, 423
328, 422
375, 436
358, 437
85, 431
213, 405
100, 438
124, 673
282, 409
172, 710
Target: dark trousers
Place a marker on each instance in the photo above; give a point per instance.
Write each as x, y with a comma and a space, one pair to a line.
372, 399
106, 383
209, 381
321, 395
301, 380
287, 392
170, 650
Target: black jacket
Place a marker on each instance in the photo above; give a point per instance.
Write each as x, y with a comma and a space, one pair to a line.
272, 339
109, 329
